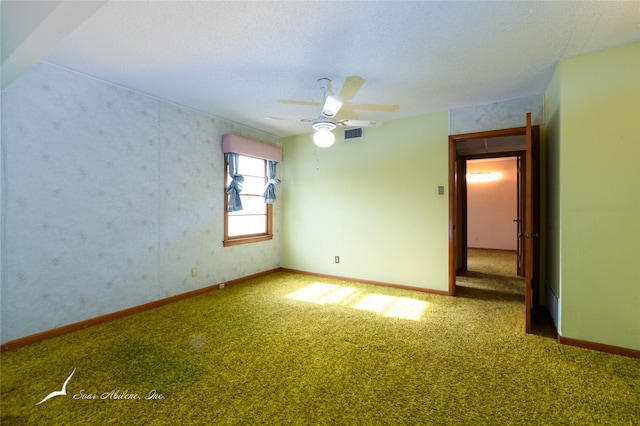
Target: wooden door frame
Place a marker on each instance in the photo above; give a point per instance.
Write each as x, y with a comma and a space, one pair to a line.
457, 188
521, 171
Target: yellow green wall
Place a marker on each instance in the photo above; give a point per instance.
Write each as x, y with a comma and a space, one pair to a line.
372, 201
552, 187
594, 203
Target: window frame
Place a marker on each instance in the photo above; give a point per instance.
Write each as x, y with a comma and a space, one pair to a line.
245, 238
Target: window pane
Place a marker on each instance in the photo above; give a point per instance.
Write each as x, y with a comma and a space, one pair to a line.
242, 225
251, 166
252, 220
253, 185
251, 205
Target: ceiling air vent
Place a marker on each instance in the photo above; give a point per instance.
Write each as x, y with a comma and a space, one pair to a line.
353, 134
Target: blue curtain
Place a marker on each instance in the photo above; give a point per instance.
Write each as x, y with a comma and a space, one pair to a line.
234, 188
269, 194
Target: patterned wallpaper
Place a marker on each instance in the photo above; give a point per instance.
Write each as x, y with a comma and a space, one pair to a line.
498, 115
112, 197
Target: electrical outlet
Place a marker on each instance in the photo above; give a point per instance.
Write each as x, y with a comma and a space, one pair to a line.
337, 259
221, 286
194, 272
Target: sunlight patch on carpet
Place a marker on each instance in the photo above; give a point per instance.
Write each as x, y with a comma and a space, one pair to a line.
392, 306
384, 305
323, 293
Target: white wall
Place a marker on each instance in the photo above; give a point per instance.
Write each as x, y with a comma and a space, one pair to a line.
111, 198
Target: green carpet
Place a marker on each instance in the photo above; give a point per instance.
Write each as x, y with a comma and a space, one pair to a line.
492, 262
296, 349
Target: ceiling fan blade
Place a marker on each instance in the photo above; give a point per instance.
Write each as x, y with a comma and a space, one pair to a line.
301, 120
359, 123
351, 86
377, 107
287, 101
347, 114
332, 105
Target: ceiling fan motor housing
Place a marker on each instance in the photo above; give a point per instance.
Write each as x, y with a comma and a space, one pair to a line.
323, 124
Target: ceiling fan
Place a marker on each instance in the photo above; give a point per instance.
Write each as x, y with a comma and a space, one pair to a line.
339, 111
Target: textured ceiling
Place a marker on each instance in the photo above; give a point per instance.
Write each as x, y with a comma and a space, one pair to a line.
236, 60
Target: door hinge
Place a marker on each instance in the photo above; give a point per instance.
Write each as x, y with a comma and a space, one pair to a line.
528, 234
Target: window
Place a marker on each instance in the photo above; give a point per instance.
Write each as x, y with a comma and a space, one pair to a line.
253, 222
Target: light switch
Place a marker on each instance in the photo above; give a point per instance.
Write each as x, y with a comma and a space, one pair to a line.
441, 190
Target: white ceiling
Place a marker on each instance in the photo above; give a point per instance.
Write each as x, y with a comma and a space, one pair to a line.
235, 60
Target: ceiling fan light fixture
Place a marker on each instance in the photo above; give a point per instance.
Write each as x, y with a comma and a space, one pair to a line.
324, 138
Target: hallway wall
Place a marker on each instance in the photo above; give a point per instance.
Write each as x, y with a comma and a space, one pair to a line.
492, 204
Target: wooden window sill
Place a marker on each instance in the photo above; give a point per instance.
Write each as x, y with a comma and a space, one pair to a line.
246, 240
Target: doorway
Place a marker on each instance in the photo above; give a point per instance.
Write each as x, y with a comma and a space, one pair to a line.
522, 142
493, 216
